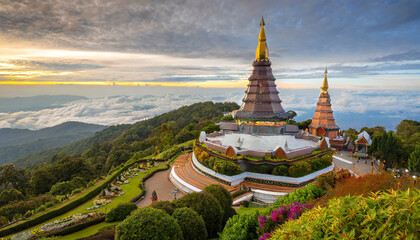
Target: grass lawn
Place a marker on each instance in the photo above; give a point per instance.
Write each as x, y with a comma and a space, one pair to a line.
243, 210
131, 190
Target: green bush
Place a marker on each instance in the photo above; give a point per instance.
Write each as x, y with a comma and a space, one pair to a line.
165, 206
223, 196
241, 227
226, 167
300, 195
207, 206
49, 204
191, 223
120, 212
281, 170
299, 169
149, 224
385, 215
245, 203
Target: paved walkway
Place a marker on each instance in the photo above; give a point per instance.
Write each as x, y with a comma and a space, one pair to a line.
344, 160
163, 187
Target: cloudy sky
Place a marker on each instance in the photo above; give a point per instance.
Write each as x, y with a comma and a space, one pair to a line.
134, 59
365, 44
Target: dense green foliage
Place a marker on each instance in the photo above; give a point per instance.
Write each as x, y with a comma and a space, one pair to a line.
207, 207
389, 147
381, 216
67, 187
241, 227
120, 212
192, 225
21, 207
10, 195
409, 132
300, 195
149, 224
300, 169
225, 199
414, 160
281, 170
166, 206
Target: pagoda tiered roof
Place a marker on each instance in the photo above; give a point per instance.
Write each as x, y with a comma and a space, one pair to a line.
261, 101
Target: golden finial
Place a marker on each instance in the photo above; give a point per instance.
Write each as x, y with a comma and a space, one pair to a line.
324, 87
262, 50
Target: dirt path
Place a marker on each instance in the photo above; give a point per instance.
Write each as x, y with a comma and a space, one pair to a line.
163, 187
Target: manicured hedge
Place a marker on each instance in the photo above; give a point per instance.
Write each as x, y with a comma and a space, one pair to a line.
64, 209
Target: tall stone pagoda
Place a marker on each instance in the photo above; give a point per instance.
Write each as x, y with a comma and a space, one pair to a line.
261, 101
323, 122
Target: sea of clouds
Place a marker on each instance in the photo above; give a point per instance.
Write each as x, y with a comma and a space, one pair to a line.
351, 108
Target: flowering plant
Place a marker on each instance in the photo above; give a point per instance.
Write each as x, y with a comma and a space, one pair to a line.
279, 217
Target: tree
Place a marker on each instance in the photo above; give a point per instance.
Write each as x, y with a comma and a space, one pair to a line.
389, 147
211, 128
10, 195
374, 131
292, 114
192, 224
148, 224
207, 207
16, 177
304, 124
414, 160
120, 212
223, 196
42, 181
165, 206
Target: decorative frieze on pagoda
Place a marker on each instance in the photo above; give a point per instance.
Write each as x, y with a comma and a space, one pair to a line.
261, 101
323, 122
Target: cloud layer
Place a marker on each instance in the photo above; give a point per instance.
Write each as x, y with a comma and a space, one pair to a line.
351, 108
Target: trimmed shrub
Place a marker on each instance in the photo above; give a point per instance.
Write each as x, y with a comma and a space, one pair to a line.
241, 227
301, 195
226, 167
165, 206
299, 169
245, 203
207, 206
225, 199
120, 212
149, 224
281, 170
192, 224
391, 215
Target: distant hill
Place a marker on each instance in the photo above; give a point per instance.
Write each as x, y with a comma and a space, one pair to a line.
75, 147
35, 103
13, 137
16, 143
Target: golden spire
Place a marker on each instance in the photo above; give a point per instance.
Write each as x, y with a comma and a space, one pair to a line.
324, 88
262, 50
